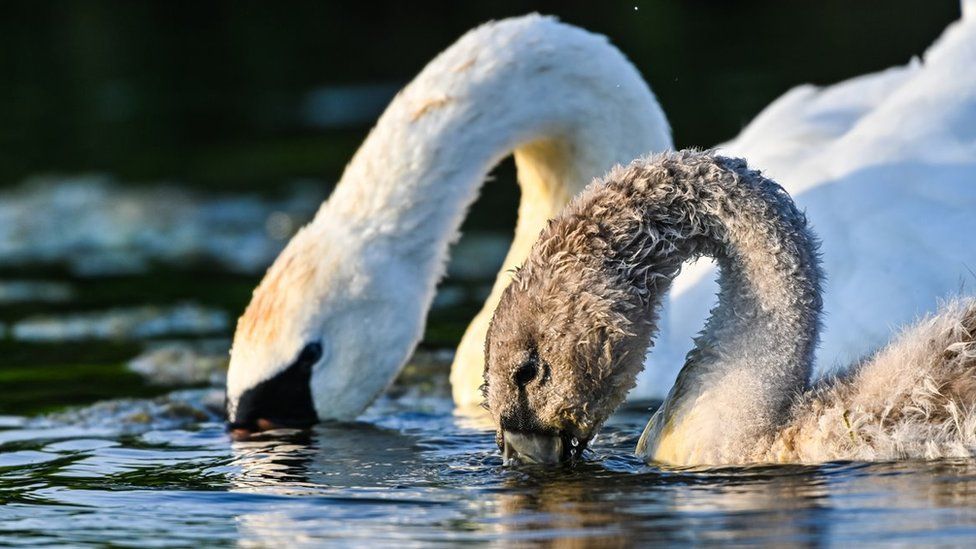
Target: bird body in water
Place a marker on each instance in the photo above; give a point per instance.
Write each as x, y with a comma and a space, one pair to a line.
569, 335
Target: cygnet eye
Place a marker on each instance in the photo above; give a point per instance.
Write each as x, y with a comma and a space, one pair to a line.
527, 371
310, 354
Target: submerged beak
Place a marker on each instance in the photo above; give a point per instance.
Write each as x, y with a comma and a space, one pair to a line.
533, 448
283, 401
241, 432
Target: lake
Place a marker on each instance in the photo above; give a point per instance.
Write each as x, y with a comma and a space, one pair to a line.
414, 474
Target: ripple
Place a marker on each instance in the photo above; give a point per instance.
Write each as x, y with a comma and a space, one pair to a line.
26, 457
98, 226
127, 323
413, 473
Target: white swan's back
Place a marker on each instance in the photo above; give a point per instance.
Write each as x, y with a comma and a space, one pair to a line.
885, 167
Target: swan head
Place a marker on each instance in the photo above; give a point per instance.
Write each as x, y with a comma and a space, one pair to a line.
563, 349
321, 335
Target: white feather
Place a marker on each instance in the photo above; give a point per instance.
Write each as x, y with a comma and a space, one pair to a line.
566, 102
885, 167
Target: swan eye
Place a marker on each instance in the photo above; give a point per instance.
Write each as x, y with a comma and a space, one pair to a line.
310, 354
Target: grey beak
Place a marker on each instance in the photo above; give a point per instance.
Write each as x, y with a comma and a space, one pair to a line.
532, 448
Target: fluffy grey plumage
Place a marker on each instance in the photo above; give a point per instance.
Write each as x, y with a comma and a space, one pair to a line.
570, 333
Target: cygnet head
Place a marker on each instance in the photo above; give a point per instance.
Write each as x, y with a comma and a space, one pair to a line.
314, 342
563, 349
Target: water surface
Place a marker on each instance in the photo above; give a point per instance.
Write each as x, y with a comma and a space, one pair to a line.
413, 473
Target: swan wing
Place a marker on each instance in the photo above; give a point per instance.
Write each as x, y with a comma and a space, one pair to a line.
914, 399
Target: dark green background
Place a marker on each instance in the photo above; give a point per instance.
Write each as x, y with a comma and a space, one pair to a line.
210, 93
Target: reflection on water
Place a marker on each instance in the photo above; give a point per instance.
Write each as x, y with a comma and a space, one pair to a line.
98, 226
414, 473
130, 323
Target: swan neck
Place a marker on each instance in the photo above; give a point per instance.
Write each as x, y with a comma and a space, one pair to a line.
564, 101
756, 349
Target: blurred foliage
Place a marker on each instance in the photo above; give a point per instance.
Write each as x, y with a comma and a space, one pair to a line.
211, 92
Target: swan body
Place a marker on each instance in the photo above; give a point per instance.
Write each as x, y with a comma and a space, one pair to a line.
569, 335
872, 161
915, 398
341, 309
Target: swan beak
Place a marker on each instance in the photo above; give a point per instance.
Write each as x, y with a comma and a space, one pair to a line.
532, 448
241, 432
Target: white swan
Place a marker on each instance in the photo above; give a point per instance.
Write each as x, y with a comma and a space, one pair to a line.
872, 161
343, 306
423, 147
570, 333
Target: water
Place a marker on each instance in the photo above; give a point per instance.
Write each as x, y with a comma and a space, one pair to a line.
413, 473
